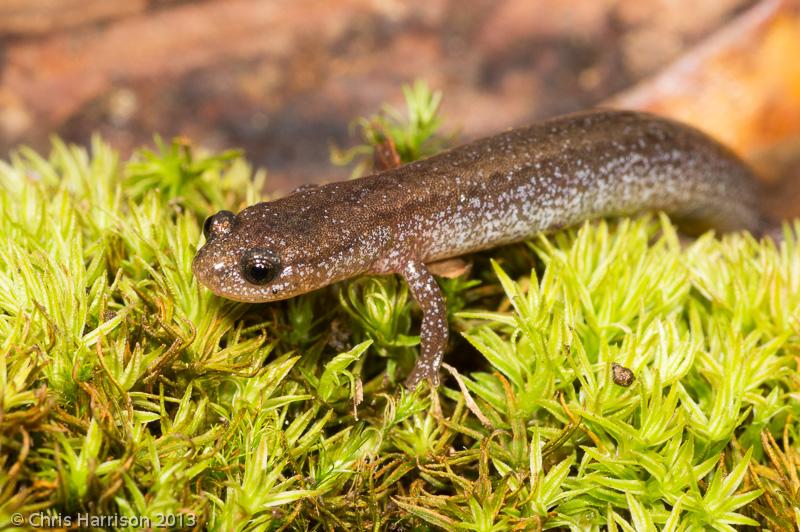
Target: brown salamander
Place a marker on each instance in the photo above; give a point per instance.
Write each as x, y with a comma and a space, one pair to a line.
493, 191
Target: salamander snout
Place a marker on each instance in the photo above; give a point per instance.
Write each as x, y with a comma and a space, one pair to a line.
273, 251
245, 264
239, 272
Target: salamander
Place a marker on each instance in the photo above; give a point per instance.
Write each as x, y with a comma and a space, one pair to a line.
493, 191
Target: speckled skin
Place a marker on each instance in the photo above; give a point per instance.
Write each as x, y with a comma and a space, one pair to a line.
494, 191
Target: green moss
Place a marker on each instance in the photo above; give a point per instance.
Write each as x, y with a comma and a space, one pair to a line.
126, 388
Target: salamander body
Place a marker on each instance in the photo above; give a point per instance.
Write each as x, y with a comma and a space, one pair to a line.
490, 192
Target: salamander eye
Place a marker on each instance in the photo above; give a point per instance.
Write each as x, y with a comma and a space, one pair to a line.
260, 266
218, 224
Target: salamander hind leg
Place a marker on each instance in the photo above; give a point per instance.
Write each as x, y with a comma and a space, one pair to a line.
433, 333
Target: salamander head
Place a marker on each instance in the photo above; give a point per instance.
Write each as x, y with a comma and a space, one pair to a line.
267, 253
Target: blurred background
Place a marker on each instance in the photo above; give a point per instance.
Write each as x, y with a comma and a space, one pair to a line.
284, 79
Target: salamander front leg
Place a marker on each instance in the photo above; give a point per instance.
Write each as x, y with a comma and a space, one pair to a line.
433, 333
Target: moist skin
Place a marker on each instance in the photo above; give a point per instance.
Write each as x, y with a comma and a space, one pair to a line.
494, 191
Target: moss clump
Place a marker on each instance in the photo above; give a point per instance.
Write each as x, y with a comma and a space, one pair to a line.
126, 389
